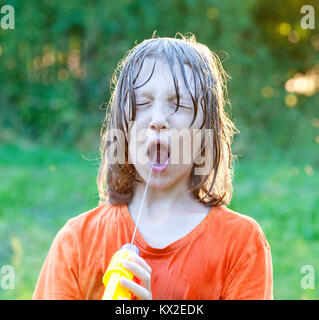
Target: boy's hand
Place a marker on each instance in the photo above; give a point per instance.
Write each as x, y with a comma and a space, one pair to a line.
142, 271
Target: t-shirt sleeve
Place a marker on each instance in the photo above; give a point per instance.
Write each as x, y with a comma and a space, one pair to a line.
251, 276
59, 274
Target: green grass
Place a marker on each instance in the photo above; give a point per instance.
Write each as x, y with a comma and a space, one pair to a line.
283, 198
42, 187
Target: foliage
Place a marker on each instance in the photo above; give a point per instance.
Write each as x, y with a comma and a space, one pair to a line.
58, 62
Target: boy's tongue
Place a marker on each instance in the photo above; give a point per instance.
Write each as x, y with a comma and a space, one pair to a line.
158, 154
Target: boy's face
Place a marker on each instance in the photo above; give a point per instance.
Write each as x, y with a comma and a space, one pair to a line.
160, 140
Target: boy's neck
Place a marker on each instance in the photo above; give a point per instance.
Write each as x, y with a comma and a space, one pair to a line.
176, 199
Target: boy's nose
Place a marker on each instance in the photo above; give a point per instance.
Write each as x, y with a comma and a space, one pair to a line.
155, 125
159, 121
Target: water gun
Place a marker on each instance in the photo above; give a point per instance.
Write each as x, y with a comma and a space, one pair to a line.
111, 279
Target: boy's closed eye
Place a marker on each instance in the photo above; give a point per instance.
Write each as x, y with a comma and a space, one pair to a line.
142, 104
175, 105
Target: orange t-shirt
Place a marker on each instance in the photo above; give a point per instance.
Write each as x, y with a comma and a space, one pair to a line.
226, 256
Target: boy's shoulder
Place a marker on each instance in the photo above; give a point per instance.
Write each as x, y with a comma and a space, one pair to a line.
236, 219
94, 218
239, 227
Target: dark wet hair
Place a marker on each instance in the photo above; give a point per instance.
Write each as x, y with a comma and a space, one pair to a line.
116, 181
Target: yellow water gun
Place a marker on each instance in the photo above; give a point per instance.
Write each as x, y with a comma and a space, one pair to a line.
111, 279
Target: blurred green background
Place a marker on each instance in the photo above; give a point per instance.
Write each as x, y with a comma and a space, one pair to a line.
55, 71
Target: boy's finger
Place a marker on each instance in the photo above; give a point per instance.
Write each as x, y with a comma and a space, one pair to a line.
137, 270
142, 263
140, 292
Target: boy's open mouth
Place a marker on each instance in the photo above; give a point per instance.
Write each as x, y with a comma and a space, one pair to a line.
158, 153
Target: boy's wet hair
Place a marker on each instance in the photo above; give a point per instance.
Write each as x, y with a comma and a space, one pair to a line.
116, 181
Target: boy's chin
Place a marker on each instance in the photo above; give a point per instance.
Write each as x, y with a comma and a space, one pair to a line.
167, 180
159, 184
158, 181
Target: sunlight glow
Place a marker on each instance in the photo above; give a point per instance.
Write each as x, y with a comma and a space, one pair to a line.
306, 84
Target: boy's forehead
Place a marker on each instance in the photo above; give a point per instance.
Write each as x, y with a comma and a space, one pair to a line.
162, 69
